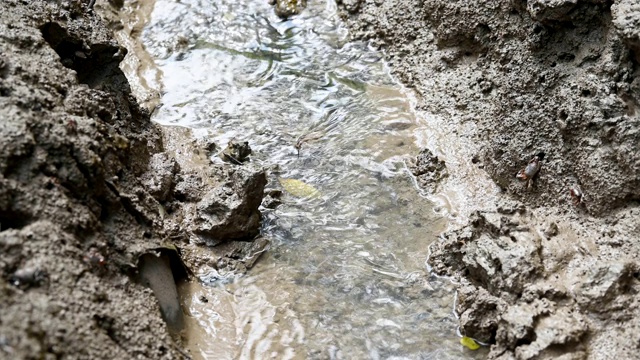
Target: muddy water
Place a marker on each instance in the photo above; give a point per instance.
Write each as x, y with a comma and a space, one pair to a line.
345, 276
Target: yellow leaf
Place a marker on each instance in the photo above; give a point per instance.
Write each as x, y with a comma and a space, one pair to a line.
469, 343
299, 188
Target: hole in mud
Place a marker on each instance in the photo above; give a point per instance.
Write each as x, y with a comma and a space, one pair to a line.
180, 197
160, 270
106, 323
585, 92
566, 57
104, 209
104, 115
12, 221
525, 341
91, 65
563, 115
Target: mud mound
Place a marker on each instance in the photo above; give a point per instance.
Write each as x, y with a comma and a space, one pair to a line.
74, 217
85, 190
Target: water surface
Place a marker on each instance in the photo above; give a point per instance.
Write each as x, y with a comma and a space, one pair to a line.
345, 277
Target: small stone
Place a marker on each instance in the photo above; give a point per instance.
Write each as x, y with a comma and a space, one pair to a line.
429, 170
236, 152
28, 276
287, 8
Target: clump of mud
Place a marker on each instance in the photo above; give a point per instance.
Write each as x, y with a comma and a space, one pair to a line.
428, 170
86, 190
550, 269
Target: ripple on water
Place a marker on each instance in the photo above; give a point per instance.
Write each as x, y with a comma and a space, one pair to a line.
345, 277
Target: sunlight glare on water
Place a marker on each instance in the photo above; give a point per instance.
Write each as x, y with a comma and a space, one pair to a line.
345, 276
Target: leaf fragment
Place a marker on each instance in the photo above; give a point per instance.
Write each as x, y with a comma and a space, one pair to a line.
469, 343
299, 188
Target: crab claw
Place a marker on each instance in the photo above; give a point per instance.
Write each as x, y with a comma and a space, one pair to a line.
522, 175
576, 195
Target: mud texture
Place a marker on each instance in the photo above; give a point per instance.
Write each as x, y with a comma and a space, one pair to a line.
552, 76
87, 189
544, 273
428, 170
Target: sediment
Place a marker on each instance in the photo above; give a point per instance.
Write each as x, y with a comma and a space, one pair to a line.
548, 270
88, 189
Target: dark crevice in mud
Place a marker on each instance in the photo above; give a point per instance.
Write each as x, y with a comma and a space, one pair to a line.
141, 218
128, 203
527, 340
106, 208
93, 63
13, 220
106, 323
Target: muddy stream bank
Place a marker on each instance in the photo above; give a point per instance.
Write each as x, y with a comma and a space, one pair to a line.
548, 271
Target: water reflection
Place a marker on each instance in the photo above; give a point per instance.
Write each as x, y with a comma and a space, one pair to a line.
345, 276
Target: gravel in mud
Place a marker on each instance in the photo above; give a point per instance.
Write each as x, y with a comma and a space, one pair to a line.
86, 189
549, 271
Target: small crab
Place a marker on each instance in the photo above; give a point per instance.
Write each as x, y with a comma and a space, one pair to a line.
576, 195
529, 172
72, 127
94, 259
236, 152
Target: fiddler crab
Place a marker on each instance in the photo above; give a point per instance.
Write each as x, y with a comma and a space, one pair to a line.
529, 172
576, 196
94, 259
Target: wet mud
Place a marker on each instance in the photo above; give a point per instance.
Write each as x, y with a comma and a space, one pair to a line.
549, 270
92, 207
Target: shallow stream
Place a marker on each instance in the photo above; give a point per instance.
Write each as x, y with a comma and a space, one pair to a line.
345, 276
